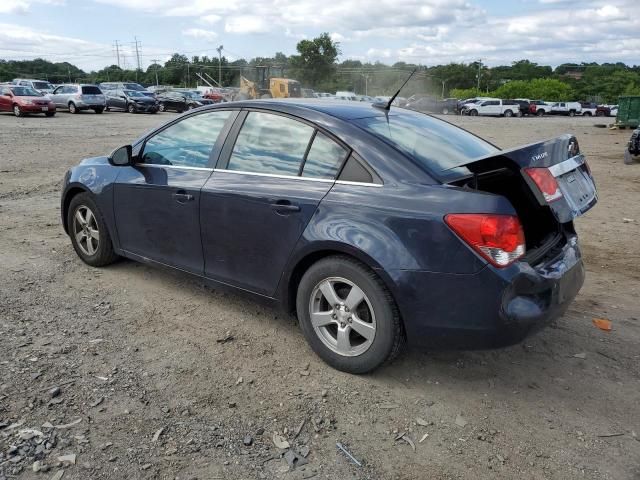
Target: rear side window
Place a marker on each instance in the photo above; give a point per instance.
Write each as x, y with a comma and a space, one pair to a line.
432, 143
324, 158
270, 144
187, 143
91, 90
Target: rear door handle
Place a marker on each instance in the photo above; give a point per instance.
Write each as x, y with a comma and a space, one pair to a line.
284, 206
182, 197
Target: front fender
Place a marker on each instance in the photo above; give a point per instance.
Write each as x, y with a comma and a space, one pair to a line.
96, 176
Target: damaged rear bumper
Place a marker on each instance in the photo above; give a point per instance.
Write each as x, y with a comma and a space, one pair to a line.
491, 308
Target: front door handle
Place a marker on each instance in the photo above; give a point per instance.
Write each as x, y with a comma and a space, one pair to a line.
182, 197
284, 206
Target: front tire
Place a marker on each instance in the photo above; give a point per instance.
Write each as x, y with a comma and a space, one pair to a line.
445, 111
348, 316
50, 114
473, 113
131, 108
88, 231
572, 113
161, 107
16, 111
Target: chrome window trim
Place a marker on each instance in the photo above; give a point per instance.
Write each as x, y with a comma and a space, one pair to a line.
566, 166
274, 175
362, 184
157, 165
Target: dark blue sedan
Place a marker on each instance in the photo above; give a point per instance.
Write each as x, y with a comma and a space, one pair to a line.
374, 226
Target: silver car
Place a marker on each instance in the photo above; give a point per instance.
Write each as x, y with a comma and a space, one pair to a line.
41, 86
78, 97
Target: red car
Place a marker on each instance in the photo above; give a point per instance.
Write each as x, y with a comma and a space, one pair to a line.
23, 100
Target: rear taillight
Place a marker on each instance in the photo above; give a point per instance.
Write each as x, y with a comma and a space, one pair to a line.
498, 238
546, 182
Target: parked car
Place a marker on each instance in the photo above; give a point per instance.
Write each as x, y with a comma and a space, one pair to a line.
180, 101
632, 153
78, 97
566, 108
603, 111
524, 106
613, 110
132, 101
129, 86
493, 107
24, 100
541, 107
365, 98
307, 93
214, 94
588, 109
41, 86
338, 212
432, 105
462, 104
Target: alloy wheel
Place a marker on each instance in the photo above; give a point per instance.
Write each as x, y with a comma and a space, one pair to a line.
85, 230
16, 111
342, 316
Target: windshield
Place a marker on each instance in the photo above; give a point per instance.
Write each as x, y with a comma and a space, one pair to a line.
131, 93
434, 144
133, 86
193, 95
25, 92
42, 86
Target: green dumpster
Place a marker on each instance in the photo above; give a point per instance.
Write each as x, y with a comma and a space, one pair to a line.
628, 112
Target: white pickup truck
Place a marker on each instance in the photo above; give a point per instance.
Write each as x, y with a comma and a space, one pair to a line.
493, 107
566, 108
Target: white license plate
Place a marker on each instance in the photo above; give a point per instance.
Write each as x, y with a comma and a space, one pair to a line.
45, 109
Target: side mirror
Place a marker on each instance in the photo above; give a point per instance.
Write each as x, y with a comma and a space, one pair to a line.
121, 157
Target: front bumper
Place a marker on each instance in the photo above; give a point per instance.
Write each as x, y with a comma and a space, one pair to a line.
491, 308
146, 108
37, 108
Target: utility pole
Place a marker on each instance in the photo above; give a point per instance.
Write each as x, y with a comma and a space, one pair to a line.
479, 66
117, 52
219, 49
155, 63
137, 56
188, 74
69, 72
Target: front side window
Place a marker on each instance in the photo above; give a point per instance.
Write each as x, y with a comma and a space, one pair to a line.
324, 158
270, 144
187, 143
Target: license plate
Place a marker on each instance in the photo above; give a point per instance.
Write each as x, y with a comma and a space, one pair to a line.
577, 187
45, 109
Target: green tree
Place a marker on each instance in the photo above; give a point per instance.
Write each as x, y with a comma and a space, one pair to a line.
315, 66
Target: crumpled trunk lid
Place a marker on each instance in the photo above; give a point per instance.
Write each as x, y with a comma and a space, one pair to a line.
566, 163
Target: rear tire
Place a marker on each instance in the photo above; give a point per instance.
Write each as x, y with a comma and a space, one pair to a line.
599, 114
73, 108
335, 337
445, 111
508, 113
93, 251
539, 113
98, 110
572, 113
586, 114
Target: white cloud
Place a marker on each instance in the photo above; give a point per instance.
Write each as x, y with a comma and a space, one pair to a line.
200, 33
246, 24
23, 6
210, 19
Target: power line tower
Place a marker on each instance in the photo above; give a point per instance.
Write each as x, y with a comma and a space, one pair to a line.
117, 47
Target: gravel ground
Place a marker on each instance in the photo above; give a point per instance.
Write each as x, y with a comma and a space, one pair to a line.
129, 372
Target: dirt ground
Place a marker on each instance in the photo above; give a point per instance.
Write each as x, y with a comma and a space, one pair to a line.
160, 377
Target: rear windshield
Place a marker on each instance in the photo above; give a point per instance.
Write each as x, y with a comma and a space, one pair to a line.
91, 91
433, 144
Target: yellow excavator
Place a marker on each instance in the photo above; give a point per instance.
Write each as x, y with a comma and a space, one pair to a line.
269, 87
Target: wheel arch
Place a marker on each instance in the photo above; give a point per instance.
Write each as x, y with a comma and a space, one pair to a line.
68, 196
304, 260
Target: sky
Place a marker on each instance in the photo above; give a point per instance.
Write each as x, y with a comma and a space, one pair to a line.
429, 32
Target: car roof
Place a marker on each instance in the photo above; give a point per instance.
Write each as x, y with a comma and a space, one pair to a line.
338, 108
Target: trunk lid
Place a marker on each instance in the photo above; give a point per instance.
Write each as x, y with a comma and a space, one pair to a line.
562, 157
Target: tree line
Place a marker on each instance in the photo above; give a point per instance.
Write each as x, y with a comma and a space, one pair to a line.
316, 66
